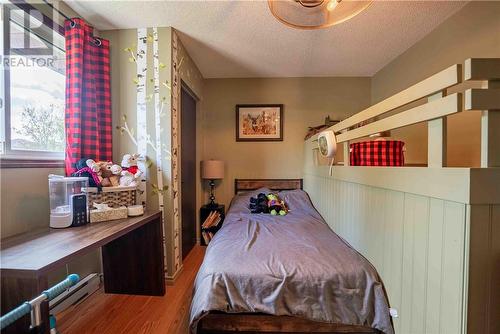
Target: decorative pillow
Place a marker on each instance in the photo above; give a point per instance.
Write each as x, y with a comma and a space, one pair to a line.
377, 153
296, 200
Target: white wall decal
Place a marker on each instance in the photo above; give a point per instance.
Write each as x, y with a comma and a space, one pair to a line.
142, 142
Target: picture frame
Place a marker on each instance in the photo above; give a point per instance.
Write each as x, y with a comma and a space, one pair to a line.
259, 122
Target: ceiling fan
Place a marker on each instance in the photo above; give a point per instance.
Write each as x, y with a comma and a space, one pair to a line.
315, 14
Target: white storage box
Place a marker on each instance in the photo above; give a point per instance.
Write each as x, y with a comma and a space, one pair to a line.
97, 216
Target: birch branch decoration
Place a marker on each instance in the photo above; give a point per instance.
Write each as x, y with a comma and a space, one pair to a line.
143, 140
142, 145
158, 110
125, 129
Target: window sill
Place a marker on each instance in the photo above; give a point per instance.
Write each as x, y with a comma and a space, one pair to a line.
11, 162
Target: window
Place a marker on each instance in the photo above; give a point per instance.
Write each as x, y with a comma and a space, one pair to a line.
33, 63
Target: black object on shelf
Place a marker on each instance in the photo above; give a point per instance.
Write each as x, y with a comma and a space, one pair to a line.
211, 214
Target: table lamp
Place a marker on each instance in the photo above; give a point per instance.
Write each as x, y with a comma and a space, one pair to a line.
212, 170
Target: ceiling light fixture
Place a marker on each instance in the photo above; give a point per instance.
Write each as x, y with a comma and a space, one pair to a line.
315, 14
332, 4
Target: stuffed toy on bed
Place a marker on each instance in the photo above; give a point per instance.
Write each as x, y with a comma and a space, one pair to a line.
259, 204
269, 203
276, 205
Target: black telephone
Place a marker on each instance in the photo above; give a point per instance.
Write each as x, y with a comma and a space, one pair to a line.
79, 209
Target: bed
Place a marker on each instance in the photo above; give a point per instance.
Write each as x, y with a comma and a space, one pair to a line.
277, 274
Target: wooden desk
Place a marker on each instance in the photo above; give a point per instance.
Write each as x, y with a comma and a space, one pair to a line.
132, 256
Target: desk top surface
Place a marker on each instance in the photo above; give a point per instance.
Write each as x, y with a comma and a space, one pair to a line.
41, 250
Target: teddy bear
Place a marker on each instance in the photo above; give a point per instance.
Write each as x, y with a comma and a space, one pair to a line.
130, 172
109, 173
105, 169
90, 169
129, 163
116, 171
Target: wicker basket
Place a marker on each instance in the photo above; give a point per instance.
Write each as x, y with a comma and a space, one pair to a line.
112, 196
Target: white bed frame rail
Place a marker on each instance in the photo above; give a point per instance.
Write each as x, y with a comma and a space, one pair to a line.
474, 85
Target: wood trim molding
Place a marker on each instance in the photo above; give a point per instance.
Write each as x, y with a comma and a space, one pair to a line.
171, 279
30, 163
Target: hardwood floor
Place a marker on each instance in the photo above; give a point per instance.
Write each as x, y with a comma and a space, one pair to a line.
112, 314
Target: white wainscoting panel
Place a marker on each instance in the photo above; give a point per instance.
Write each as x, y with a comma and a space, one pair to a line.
416, 243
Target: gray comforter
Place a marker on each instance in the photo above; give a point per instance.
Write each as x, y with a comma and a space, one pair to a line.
292, 265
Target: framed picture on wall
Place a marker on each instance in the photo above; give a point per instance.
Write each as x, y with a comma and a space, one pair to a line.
259, 122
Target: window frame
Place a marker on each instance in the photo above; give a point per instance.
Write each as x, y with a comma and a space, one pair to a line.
21, 158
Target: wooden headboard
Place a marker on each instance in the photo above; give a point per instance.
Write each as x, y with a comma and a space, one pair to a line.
273, 184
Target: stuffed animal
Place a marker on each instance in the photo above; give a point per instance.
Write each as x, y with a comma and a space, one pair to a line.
116, 171
269, 203
128, 179
106, 173
275, 205
130, 172
129, 163
90, 169
259, 204
92, 165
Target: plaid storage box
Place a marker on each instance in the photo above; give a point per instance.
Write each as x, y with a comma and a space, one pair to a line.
115, 197
377, 153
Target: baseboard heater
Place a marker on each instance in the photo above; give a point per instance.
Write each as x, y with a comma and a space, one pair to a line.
75, 294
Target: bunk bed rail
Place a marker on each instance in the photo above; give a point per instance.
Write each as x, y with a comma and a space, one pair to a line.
474, 85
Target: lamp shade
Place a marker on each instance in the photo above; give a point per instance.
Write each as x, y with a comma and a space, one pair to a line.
212, 169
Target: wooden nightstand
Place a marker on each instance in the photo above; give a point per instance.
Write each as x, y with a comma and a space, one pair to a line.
217, 211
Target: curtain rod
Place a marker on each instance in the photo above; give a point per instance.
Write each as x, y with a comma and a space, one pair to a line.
97, 41
57, 10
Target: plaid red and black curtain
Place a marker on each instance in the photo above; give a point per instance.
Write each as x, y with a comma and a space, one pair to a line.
88, 95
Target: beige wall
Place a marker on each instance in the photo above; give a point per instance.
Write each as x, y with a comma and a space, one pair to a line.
474, 31
24, 198
307, 101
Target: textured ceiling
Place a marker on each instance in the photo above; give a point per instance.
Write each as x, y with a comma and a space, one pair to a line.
243, 39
